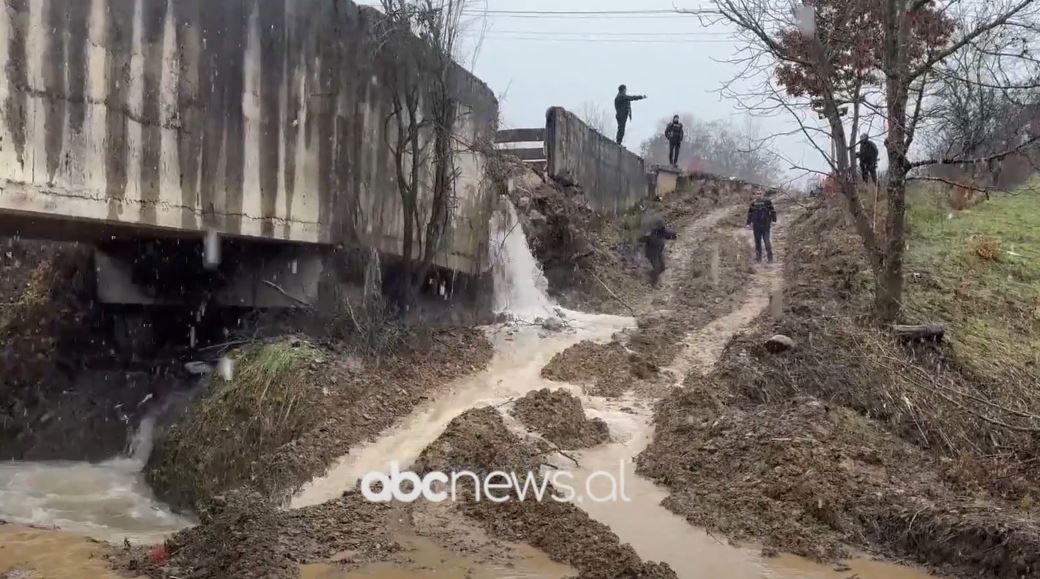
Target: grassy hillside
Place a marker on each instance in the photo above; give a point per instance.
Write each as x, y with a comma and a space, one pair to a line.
978, 271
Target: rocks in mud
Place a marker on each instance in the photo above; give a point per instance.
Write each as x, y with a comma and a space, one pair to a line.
560, 418
780, 343
551, 324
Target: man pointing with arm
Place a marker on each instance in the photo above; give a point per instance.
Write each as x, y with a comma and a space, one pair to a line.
623, 108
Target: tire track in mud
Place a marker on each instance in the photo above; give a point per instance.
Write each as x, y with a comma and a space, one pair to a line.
703, 348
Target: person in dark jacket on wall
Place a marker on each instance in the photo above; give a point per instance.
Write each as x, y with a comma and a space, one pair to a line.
623, 108
655, 240
675, 134
868, 158
760, 218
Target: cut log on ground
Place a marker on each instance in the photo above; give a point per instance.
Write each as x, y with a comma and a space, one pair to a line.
924, 333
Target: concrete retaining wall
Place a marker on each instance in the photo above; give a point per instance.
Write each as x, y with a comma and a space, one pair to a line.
260, 119
613, 178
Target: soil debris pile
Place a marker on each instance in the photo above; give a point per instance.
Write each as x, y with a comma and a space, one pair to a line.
299, 405
480, 442
560, 418
271, 399
605, 369
243, 534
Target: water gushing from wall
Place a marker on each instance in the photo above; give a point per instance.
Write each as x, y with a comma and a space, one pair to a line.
521, 289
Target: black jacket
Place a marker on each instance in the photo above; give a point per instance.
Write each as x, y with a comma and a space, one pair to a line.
623, 105
868, 153
761, 213
656, 237
674, 133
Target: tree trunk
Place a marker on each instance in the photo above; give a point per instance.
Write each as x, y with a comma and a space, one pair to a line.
889, 287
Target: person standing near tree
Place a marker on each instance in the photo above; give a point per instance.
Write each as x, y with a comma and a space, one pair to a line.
868, 159
675, 134
761, 216
623, 108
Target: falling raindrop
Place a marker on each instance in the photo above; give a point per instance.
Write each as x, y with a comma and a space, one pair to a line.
226, 368
806, 17
212, 249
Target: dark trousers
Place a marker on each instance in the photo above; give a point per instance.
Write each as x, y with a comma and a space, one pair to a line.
656, 258
621, 122
869, 172
673, 152
762, 238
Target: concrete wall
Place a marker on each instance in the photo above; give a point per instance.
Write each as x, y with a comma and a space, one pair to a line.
261, 119
613, 178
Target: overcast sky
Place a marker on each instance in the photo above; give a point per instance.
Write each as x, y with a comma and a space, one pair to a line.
535, 61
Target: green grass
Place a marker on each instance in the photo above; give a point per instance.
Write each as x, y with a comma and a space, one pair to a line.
978, 271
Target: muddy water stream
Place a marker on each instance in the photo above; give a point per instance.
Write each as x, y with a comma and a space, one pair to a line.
108, 501
521, 352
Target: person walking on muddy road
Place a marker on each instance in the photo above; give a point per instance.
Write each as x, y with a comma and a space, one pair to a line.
868, 159
623, 108
760, 218
675, 134
655, 241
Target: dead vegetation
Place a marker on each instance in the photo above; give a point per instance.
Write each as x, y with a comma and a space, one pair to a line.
271, 398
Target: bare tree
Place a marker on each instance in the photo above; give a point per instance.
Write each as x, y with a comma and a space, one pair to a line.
419, 39
595, 116
892, 49
718, 147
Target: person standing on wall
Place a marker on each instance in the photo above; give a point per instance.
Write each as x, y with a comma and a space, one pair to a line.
760, 218
675, 134
623, 108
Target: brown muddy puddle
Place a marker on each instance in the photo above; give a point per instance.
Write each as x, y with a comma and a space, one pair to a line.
46, 554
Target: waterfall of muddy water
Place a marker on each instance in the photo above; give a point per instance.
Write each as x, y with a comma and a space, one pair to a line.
521, 289
108, 501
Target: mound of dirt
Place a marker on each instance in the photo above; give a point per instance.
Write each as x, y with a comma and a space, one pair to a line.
810, 478
606, 369
559, 417
241, 534
338, 401
479, 441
